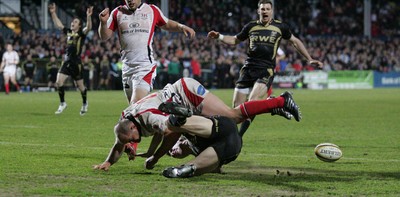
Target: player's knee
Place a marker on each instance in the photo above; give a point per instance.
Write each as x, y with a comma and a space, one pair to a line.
59, 84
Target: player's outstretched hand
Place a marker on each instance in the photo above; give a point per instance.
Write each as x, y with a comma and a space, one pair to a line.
188, 31
213, 34
316, 62
104, 166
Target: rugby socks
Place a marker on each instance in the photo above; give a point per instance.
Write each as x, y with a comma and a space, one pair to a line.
61, 94
7, 88
245, 125
17, 86
84, 96
252, 108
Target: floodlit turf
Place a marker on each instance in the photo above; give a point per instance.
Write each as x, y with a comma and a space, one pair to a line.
43, 154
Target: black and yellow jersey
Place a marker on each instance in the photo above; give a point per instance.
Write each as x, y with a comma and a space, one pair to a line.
75, 41
264, 41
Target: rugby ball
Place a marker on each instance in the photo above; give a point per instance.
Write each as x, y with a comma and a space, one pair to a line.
328, 152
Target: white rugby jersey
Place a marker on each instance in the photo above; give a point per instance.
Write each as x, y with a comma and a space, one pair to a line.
135, 31
186, 91
10, 58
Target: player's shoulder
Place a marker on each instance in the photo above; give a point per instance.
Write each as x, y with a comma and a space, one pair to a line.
277, 22
121, 9
252, 23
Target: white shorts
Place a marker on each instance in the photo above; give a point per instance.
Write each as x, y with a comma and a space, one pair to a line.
140, 76
10, 71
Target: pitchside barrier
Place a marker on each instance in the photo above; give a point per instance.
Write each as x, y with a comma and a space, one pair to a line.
338, 80
307, 79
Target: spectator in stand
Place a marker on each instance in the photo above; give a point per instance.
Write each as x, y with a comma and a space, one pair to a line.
88, 68
96, 72
104, 73
8, 66
29, 67
52, 70
196, 68
174, 70
162, 71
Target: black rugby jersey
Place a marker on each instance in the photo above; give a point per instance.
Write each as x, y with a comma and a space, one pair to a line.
75, 41
264, 41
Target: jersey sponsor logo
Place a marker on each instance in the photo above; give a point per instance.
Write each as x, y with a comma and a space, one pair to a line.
133, 25
258, 38
201, 90
144, 16
135, 31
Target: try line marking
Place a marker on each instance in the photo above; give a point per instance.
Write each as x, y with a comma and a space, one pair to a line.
253, 154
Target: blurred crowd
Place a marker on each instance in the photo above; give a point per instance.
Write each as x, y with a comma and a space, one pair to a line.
331, 30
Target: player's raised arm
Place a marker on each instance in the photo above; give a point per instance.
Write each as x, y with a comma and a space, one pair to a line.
89, 12
54, 17
104, 32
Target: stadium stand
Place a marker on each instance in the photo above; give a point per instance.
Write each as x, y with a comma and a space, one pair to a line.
333, 28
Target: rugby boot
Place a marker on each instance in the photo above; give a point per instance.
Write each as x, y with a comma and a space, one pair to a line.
281, 112
61, 108
84, 109
175, 108
183, 171
290, 106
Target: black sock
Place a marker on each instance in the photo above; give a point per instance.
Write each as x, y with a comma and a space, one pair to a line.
245, 125
61, 94
84, 96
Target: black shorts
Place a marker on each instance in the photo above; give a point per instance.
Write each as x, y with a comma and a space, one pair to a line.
73, 69
249, 75
225, 140
29, 74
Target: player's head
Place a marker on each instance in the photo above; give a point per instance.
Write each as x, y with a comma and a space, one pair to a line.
76, 24
126, 131
265, 11
9, 47
133, 4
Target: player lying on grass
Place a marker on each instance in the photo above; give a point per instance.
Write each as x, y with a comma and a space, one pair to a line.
214, 141
143, 118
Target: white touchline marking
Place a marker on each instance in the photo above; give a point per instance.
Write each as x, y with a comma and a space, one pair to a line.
21, 126
52, 145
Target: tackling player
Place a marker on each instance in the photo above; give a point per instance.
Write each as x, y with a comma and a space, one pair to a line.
146, 118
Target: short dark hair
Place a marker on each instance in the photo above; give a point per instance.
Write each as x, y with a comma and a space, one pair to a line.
265, 2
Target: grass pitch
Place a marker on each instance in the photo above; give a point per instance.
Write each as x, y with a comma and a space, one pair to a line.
42, 154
